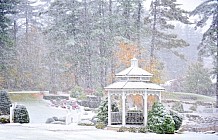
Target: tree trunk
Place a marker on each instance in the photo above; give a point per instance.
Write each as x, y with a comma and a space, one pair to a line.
217, 56
139, 27
153, 32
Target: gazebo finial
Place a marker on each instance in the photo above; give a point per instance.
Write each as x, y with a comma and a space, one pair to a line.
134, 62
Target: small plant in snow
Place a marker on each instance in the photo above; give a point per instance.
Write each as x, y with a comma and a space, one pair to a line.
142, 130
100, 125
177, 119
132, 129
122, 129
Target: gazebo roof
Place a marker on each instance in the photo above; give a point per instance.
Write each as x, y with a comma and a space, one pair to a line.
134, 79
134, 85
134, 71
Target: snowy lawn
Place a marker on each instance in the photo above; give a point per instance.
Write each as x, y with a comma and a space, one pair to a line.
75, 132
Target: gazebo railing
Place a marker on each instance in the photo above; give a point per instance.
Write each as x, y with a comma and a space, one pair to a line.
116, 117
134, 117
131, 118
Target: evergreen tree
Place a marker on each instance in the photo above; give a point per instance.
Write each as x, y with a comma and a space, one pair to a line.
197, 79
6, 48
103, 111
161, 12
159, 120
209, 44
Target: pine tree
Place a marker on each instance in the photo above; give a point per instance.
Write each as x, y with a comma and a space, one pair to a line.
159, 120
209, 44
197, 79
6, 47
161, 12
103, 111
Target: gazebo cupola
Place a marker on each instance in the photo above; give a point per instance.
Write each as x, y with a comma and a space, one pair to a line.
134, 73
133, 82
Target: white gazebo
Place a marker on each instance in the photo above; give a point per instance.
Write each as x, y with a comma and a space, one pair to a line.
132, 81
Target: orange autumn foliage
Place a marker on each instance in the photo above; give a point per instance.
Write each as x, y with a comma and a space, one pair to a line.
125, 53
156, 69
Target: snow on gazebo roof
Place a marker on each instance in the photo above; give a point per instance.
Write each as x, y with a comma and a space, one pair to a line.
134, 79
134, 85
134, 71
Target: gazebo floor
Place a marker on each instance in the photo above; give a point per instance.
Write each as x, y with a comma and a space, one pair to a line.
116, 127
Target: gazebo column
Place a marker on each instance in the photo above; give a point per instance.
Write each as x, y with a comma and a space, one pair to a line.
159, 96
109, 108
123, 108
145, 97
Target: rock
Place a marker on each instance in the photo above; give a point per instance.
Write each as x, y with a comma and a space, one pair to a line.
210, 132
57, 122
49, 120
55, 118
86, 122
94, 120
62, 119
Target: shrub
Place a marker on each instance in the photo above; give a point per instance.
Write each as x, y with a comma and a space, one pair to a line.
102, 114
177, 106
86, 124
160, 121
4, 119
142, 130
122, 129
177, 119
21, 114
4, 103
193, 108
78, 92
100, 125
132, 129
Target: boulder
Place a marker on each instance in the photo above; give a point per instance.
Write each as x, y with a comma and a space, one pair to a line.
86, 123
55, 118
210, 132
49, 120
62, 119
57, 122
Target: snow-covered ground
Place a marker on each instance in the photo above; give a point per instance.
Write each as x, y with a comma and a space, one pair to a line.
75, 132
39, 111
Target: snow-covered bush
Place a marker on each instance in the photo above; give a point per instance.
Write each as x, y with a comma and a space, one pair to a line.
4, 103
160, 121
177, 106
21, 114
177, 119
103, 111
4, 119
78, 92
